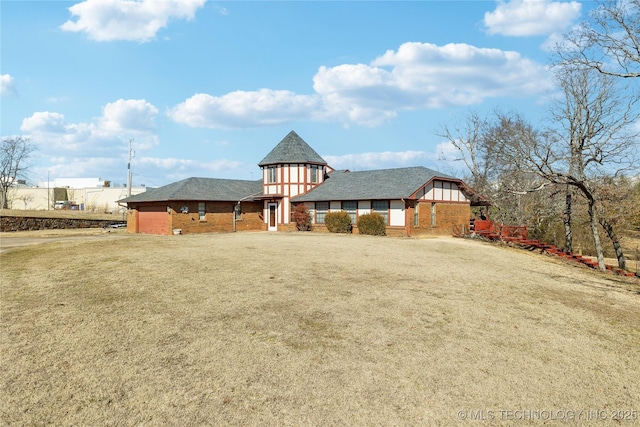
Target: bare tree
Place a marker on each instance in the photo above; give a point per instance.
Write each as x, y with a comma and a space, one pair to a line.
481, 143
592, 139
13, 164
609, 41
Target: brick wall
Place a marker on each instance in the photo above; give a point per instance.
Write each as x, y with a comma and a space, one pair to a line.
449, 218
218, 217
21, 223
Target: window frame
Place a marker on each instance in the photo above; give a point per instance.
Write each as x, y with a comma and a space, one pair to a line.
272, 174
202, 211
353, 213
433, 214
384, 213
320, 213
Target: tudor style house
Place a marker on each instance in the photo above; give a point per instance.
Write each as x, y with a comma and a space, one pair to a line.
413, 201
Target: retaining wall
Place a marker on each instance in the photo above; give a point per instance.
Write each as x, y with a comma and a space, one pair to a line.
20, 223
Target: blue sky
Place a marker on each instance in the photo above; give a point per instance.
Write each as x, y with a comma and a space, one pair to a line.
208, 88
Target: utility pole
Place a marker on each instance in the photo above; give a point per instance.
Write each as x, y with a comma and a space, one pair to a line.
129, 171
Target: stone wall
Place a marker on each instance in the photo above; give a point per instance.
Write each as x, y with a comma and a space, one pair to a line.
25, 223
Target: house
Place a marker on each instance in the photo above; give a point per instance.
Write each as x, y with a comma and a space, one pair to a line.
413, 201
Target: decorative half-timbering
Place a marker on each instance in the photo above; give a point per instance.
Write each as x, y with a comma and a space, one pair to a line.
413, 201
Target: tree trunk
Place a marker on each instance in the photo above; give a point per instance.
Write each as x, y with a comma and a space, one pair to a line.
622, 262
568, 235
593, 216
4, 201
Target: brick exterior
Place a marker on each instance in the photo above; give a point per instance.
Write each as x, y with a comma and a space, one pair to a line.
218, 217
449, 217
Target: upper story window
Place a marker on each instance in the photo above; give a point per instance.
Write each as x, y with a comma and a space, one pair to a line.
272, 173
315, 170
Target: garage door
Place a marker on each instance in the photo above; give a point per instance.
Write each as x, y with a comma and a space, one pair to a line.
153, 219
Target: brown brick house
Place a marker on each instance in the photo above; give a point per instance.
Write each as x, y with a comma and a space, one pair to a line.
414, 200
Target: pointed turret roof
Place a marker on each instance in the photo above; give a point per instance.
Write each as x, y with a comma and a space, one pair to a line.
292, 149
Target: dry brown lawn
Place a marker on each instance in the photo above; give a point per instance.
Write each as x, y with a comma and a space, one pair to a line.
312, 330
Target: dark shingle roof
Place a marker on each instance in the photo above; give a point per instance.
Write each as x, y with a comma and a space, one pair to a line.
201, 189
292, 149
384, 184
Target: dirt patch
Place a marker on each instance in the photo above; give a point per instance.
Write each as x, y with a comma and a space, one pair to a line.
309, 329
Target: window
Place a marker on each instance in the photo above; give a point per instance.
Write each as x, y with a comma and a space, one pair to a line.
201, 211
416, 215
272, 174
351, 208
382, 207
237, 211
321, 210
314, 174
433, 214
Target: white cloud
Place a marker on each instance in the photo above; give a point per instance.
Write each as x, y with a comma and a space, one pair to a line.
426, 76
174, 164
130, 115
7, 85
44, 122
416, 76
523, 18
120, 120
108, 20
386, 159
240, 109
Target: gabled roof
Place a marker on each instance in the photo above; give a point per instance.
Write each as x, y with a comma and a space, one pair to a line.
201, 189
292, 149
383, 184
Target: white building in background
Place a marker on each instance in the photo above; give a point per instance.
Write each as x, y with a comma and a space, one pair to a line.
74, 183
88, 194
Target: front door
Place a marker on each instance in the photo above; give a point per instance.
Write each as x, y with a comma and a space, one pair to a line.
273, 218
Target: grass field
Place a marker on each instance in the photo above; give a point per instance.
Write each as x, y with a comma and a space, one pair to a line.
312, 330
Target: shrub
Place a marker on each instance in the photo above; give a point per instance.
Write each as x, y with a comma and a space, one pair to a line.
371, 224
338, 222
302, 217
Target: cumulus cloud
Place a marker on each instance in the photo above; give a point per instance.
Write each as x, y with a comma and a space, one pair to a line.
426, 76
416, 76
128, 115
44, 122
7, 85
239, 109
108, 20
173, 169
521, 18
120, 120
171, 163
386, 159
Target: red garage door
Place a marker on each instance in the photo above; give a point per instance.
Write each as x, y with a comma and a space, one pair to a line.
153, 219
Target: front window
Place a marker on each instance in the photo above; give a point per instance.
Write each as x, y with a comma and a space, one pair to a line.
272, 174
314, 174
321, 210
351, 208
433, 214
201, 211
381, 207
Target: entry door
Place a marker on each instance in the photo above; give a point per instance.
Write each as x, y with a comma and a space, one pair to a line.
273, 217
